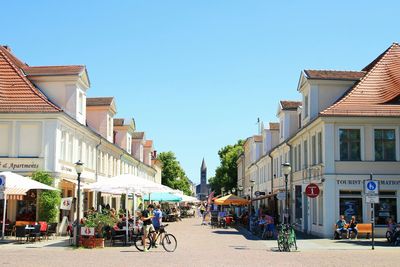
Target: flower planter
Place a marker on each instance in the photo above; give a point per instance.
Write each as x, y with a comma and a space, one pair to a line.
92, 242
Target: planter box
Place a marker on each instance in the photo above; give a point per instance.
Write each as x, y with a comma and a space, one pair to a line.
92, 242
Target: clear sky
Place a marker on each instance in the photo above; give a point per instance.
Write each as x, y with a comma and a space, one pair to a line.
196, 75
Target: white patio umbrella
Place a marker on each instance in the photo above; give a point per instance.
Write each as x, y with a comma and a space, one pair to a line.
125, 184
16, 184
186, 198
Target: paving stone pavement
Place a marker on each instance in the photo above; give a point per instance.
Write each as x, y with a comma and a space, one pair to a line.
199, 245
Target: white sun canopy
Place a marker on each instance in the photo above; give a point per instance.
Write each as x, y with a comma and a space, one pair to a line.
18, 185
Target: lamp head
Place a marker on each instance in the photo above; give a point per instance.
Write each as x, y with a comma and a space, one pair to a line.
286, 168
79, 167
252, 182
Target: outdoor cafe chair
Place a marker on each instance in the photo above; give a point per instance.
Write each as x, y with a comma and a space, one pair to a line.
117, 235
52, 229
35, 234
20, 233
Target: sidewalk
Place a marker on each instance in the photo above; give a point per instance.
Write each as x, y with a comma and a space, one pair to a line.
59, 242
313, 243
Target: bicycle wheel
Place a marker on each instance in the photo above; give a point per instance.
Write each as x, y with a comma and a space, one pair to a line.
169, 243
280, 244
139, 243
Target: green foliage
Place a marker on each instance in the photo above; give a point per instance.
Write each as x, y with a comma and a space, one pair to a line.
99, 220
172, 173
226, 172
49, 201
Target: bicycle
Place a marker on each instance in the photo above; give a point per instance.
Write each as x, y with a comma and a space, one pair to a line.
286, 238
168, 241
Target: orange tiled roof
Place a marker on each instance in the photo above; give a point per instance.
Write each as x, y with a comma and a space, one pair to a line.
378, 92
334, 75
290, 105
17, 93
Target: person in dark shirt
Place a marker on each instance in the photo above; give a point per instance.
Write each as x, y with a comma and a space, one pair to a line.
148, 227
352, 227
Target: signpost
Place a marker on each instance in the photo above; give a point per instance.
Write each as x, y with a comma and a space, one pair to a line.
312, 190
281, 196
371, 189
259, 193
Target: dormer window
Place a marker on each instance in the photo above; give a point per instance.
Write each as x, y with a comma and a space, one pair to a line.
305, 106
80, 103
110, 124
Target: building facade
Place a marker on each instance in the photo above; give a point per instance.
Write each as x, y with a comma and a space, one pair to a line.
47, 123
345, 128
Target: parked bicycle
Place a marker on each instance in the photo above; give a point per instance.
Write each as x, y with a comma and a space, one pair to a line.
168, 241
286, 238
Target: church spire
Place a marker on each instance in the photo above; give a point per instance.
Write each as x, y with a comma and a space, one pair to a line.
203, 166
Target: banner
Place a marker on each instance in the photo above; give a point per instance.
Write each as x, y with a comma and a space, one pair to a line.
66, 203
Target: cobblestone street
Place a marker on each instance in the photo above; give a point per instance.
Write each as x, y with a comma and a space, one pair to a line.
202, 246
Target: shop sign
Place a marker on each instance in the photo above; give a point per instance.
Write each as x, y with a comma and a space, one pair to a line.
281, 196
312, 190
20, 164
87, 231
360, 182
66, 203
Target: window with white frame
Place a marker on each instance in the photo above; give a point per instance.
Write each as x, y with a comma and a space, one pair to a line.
305, 154
70, 147
385, 144
5, 140
314, 150
63, 145
79, 152
320, 147
305, 106
29, 139
350, 144
87, 152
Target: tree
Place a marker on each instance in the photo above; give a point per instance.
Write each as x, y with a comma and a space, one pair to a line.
49, 201
226, 172
172, 174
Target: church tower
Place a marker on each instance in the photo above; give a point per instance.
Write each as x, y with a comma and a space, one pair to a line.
203, 180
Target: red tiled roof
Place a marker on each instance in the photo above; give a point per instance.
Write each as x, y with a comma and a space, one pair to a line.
334, 75
290, 105
54, 70
274, 126
99, 101
17, 93
377, 94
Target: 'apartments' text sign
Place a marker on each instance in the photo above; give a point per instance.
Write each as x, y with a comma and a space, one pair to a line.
20, 164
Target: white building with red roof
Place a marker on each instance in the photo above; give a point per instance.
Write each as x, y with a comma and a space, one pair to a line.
345, 127
47, 123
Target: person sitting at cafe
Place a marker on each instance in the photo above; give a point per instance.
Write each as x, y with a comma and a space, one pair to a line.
340, 227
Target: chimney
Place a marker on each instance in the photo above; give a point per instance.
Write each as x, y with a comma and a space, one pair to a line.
7, 47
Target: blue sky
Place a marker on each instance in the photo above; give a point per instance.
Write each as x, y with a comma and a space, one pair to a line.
196, 75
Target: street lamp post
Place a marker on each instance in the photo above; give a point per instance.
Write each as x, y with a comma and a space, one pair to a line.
286, 168
79, 169
252, 182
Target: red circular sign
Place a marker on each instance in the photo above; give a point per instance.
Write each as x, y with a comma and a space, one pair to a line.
312, 190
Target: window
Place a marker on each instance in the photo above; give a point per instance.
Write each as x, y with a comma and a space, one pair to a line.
63, 145
80, 103
314, 150
305, 154
299, 157
281, 128
386, 208
87, 159
320, 147
79, 155
350, 144
110, 126
295, 158
306, 106
29, 139
321, 208
314, 210
385, 145
5, 140
351, 205
69, 148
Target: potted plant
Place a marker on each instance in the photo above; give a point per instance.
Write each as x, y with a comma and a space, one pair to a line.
99, 221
